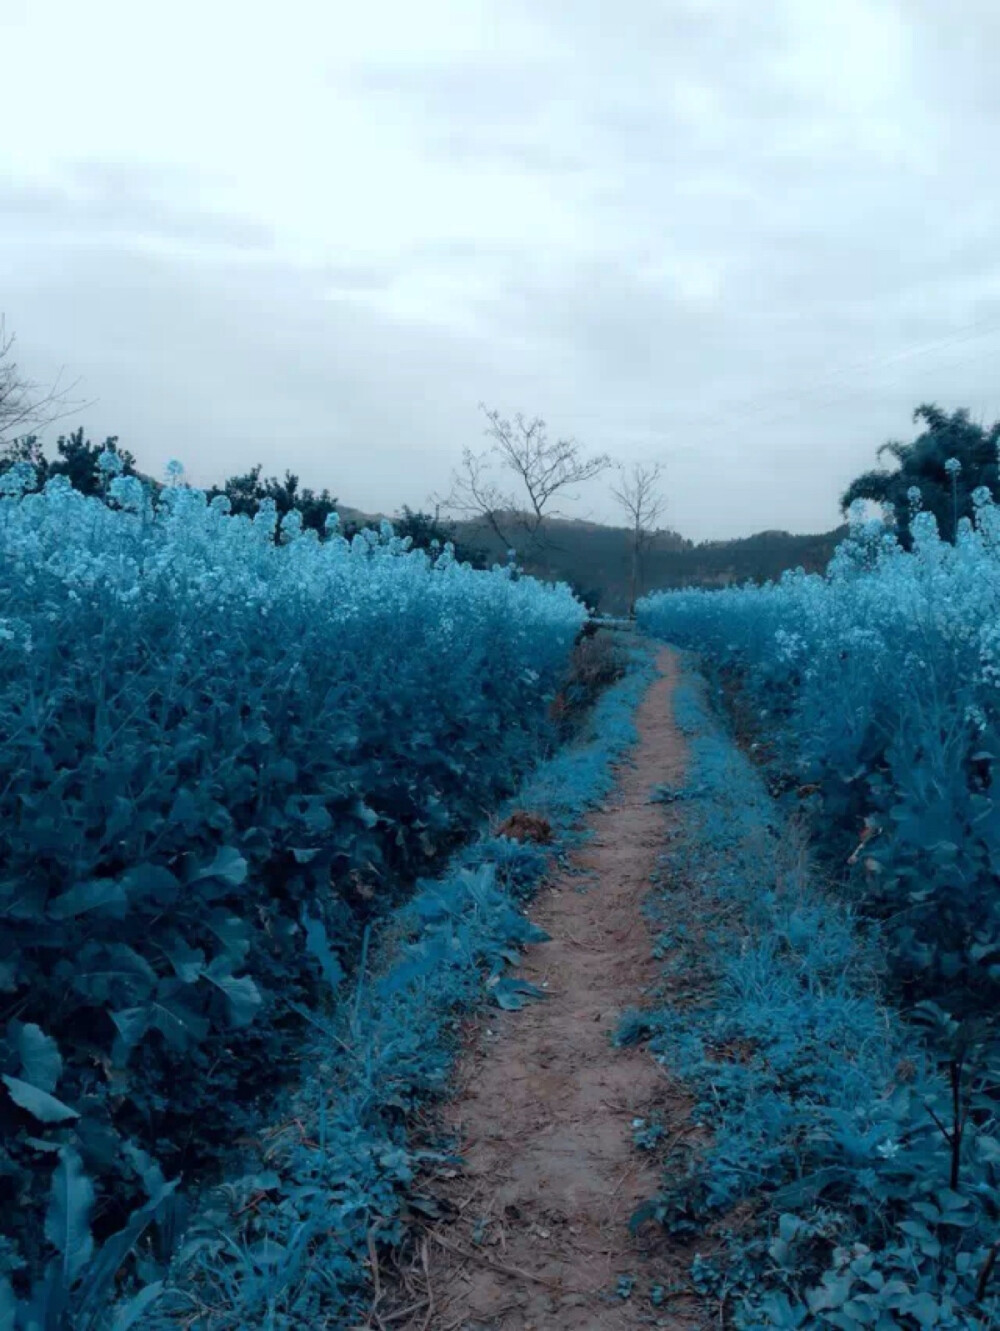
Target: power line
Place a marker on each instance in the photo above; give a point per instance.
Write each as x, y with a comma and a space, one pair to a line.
800, 399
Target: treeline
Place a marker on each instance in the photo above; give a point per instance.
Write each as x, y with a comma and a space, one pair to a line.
78, 459
596, 560
938, 472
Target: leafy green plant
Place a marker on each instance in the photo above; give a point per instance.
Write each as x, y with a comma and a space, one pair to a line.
289, 1243
875, 688
223, 757
860, 1151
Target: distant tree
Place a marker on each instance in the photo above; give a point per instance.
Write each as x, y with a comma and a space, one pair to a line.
244, 493
928, 464
27, 448
542, 470
638, 492
247, 492
426, 529
27, 406
76, 458
590, 596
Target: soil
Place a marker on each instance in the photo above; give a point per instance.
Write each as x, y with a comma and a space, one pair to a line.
539, 1234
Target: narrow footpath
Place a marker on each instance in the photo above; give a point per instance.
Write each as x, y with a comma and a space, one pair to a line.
543, 1114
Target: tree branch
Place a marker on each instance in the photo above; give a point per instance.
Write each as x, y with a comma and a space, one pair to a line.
543, 469
24, 404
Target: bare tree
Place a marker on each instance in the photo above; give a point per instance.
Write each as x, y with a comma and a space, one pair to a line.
542, 469
24, 404
638, 492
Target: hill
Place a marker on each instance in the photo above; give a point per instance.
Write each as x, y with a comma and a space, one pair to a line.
595, 559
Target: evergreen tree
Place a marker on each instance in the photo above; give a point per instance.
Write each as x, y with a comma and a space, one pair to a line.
947, 461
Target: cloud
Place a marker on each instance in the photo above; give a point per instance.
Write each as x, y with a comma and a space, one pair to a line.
105, 199
228, 365
747, 239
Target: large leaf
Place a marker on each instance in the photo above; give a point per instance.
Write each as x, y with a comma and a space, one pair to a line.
129, 1313
145, 1166
178, 1025
22, 899
233, 933
318, 946
367, 815
317, 818
187, 810
132, 1024
67, 1221
151, 882
113, 973
114, 1250
283, 771
518, 928
45, 1308
120, 818
228, 867
46, 1108
41, 1062
188, 962
96, 894
243, 998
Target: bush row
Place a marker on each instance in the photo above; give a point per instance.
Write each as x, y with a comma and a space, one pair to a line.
224, 745
348, 1165
880, 683
846, 1179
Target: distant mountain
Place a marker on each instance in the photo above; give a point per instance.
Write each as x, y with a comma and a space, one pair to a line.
595, 559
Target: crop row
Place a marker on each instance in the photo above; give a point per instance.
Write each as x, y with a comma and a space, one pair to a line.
224, 747
879, 682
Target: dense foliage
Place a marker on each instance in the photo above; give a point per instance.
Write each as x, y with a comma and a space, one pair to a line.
427, 531
77, 458
247, 492
221, 755
869, 698
849, 1176
595, 560
80, 461
948, 461
879, 683
348, 1163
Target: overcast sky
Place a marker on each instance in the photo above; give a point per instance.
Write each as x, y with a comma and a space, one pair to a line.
746, 239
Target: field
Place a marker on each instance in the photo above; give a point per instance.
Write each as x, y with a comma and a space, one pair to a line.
274, 807
856, 947
224, 755
873, 692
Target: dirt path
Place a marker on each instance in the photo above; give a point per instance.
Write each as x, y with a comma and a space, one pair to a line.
545, 1107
